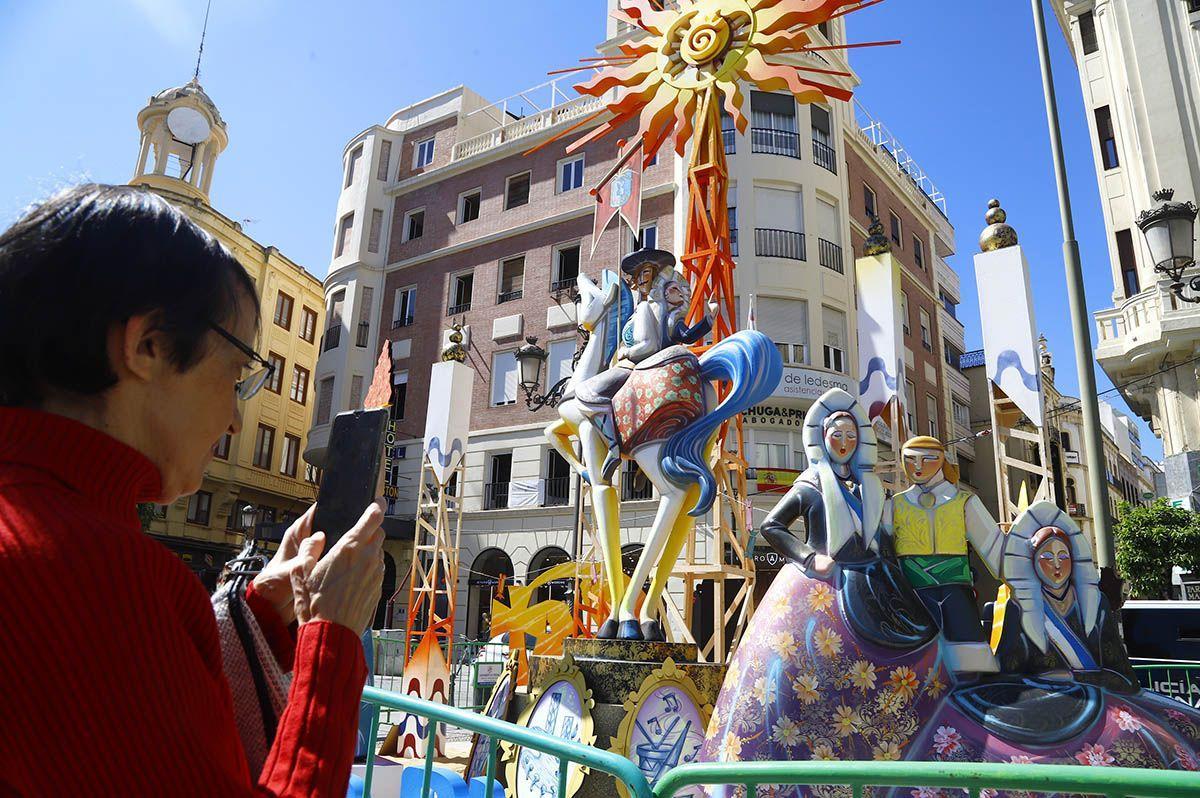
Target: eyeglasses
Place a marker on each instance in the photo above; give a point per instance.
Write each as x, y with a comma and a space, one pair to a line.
252, 383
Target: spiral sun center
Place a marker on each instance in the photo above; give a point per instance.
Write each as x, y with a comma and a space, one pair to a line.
705, 41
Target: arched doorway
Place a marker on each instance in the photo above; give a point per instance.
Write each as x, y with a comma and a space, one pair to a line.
630, 553
544, 560
485, 575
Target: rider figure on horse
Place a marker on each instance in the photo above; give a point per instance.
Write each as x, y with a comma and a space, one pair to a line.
655, 324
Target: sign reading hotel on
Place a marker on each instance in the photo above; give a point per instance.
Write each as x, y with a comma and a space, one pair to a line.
808, 384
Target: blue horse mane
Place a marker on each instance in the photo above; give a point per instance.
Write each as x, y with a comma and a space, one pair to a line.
616, 315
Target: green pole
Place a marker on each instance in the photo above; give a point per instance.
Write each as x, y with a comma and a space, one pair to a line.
1080, 322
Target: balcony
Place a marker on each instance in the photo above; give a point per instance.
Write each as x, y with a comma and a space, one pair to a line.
364, 333
729, 139
405, 321
779, 243
829, 255
509, 296
733, 248
635, 487
893, 154
772, 141
461, 307
824, 156
495, 495
558, 492
333, 337
1136, 334
522, 115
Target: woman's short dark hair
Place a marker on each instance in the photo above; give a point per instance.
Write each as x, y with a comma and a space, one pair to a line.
93, 256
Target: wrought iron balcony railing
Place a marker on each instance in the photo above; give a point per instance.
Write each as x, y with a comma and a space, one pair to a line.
779, 243
772, 141
824, 156
829, 255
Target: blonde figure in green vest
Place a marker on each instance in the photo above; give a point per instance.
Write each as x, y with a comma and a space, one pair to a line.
930, 526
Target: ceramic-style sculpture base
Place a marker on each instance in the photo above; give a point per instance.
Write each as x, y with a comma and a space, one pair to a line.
613, 669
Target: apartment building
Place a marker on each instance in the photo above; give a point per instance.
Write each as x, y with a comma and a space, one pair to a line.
182, 136
442, 219
1139, 71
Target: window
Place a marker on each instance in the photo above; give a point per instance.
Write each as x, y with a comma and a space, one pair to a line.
403, 306
222, 448
299, 389
733, 230
324, 400
308, 324
785, 321
199, 504
333, 332
344, 231
910, 413
291, 455
869, 206
1108, 138
949, 304
414, 224
385, 155
516, 191
376, 230
558, 480
559, 363
926, 336
283, 310
461, 287
570, 174
468, 206
773, 124
1087, 33
822, 138
566, 267
504, 378
423, 154
647, 238
952, 354
399, 395
352, 165
495, 494
931, 411
275, 384
918, 253
366, 299
264, 444
962, 413
1128, 261
835, 339
896, 230
770, 455
356, 391
1065, 438
512, 279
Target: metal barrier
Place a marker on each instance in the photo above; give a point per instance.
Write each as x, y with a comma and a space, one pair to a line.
1176, 680
495, 730
958, 778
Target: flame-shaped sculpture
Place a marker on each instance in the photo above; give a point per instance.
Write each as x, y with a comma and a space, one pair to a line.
703, 46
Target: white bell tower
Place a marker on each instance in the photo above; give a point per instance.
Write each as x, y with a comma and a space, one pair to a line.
182, 135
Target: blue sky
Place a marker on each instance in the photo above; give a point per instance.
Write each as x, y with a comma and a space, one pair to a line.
294, 81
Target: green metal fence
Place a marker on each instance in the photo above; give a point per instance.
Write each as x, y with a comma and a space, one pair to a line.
1177, 680
756, 779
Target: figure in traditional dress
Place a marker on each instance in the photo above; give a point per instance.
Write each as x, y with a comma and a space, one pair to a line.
642, 336
930, 525
1052, 619
676, 330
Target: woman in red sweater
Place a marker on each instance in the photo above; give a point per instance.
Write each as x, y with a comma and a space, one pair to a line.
127, 346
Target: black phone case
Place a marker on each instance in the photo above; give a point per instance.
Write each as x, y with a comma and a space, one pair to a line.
353, 462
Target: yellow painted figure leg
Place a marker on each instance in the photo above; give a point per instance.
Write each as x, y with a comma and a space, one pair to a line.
666, 564
606, 504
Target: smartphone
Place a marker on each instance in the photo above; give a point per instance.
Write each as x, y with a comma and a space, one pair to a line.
353, 471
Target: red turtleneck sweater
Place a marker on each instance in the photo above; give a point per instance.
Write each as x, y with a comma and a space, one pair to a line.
110, 667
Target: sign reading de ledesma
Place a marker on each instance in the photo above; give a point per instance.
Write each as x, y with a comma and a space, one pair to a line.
799, 382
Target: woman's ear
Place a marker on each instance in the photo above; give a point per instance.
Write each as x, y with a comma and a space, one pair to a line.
137, 348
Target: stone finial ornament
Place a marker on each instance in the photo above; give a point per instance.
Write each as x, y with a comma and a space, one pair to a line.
877, 243
997, 235
455, 351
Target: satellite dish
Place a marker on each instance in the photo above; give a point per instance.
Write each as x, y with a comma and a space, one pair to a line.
188, 125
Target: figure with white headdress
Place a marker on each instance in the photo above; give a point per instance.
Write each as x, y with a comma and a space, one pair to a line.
1054, 620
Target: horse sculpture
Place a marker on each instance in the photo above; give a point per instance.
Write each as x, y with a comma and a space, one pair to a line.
667, 416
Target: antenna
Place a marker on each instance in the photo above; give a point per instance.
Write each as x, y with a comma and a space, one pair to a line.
203, 31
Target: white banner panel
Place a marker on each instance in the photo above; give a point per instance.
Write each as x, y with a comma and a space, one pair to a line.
448, 418
880, 359
1009, 330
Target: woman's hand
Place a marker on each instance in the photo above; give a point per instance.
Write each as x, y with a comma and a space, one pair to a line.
344, 586
274, 583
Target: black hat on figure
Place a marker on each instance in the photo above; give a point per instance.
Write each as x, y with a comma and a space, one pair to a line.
659, 258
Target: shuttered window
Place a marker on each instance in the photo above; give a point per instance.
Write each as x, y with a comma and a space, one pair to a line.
376, 230
324, 400
785, 321
385, 156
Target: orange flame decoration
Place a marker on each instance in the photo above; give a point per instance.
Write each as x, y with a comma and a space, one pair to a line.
705, 46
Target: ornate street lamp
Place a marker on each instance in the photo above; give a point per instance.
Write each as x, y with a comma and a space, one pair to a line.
246, 516
530, 359
1168, 229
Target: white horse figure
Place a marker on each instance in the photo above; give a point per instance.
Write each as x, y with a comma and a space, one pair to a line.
667, 417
